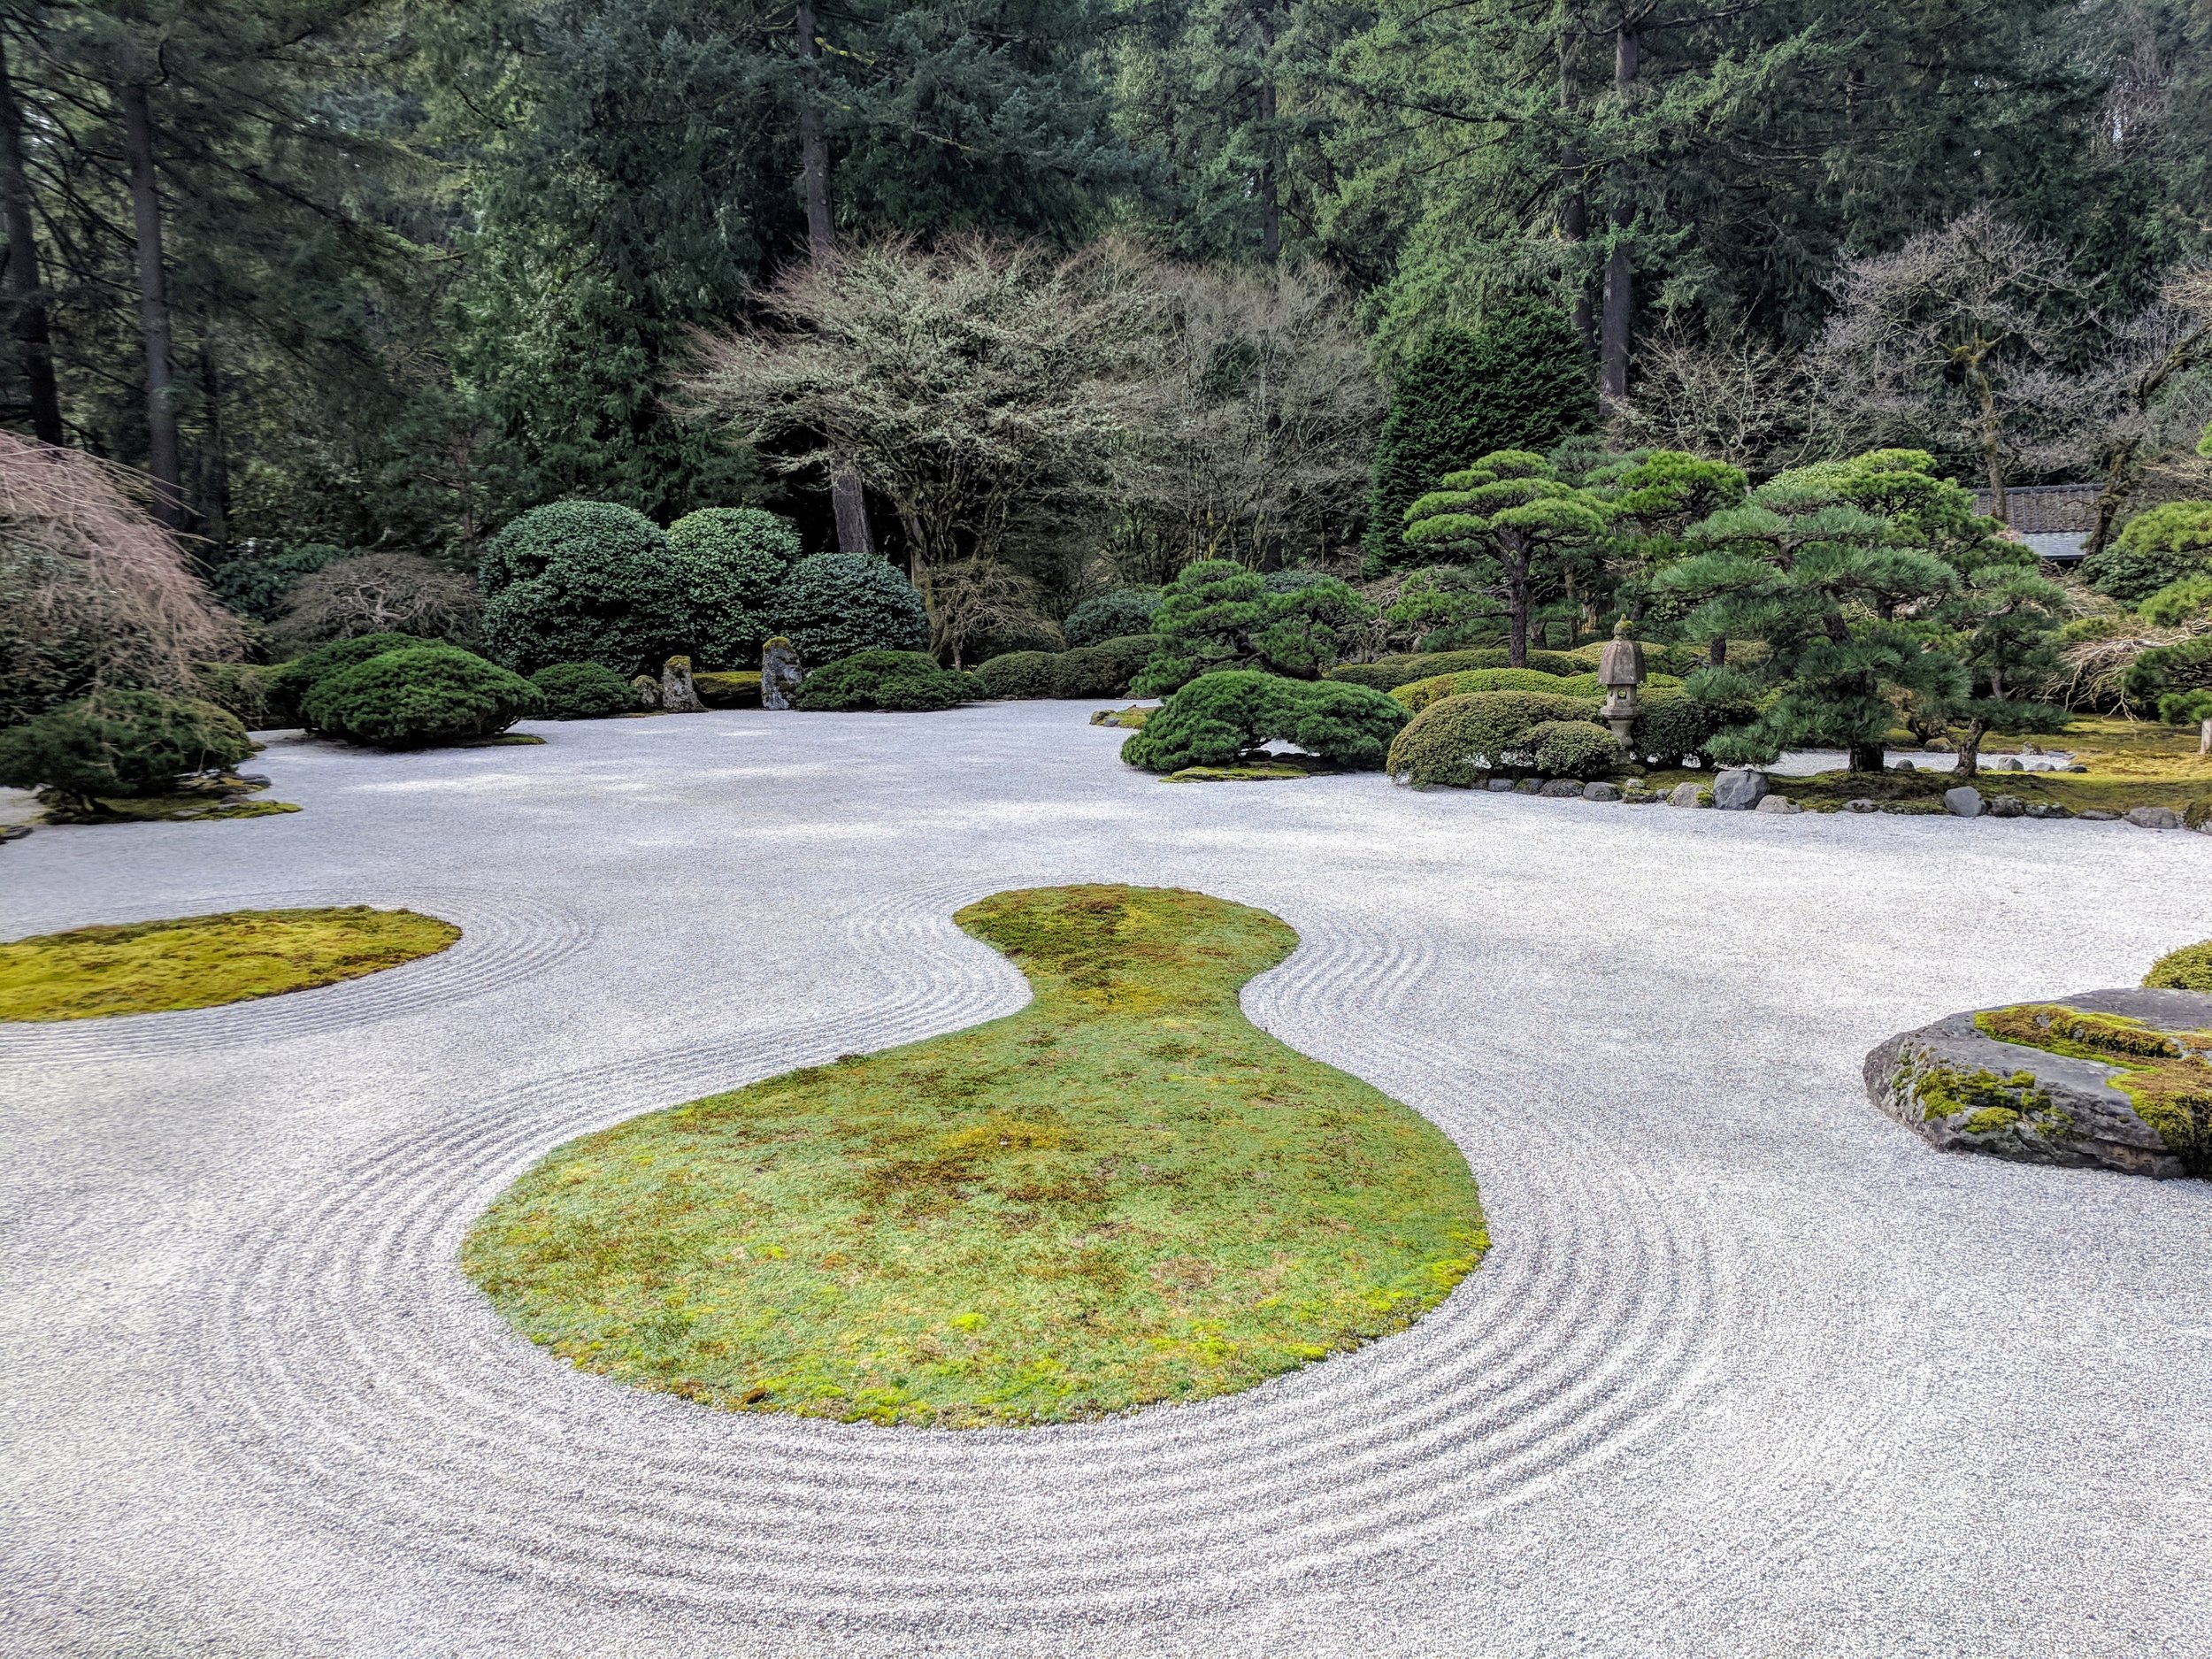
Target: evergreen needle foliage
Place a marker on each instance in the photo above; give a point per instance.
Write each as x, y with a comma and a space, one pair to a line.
1124, 1193
205, 961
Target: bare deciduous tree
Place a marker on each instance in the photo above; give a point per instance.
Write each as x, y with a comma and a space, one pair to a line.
379, 592
93, 593
1952, 341
1740, 402
2155, 403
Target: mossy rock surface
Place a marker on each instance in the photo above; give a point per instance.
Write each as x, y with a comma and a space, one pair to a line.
2114, 1079
1125, 1193
207, 961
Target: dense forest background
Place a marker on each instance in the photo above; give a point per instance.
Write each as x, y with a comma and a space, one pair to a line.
382, 273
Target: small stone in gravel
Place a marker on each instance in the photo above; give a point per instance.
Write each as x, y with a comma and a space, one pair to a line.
1600, 792
1528, 785
2007, 806
2048, 809
2078, 766
1776, 803
1863, 804
15, 831
1560, 789
1936, 745
2153, 817
1902, 765
1738, 788
1499, 786
258, 780
1684, 794
1964, 802
2096, 815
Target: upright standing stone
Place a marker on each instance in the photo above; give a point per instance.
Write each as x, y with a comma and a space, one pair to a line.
678, 694
649, 691
780, 673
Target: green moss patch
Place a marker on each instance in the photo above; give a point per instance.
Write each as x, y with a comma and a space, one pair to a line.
204, 960
1124, 1193
2166, 1075
1268, 772
2188, 968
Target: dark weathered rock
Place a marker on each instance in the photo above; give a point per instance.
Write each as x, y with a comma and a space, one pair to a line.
2048, 809
678, 694
781, 672
1499, 786
1738, 788
15, 831
649, 691
2153, 817
1601, 792
1863, 803
2007, 806
1560, 789
1528, 785
1964, 802
2024, 1103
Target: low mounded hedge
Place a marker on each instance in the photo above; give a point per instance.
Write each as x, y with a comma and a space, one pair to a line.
121, 744
288, 683
1672, 727
426, 694
1388, 673
1416, 695
1570, 748
1103, 669
1115, 616
582, 691
902, 681
1456, 740
1220, 717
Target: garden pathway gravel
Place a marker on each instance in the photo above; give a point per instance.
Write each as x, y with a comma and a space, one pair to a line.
1750, 1370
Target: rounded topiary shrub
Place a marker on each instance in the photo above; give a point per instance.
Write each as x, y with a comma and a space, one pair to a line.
726, 562
121, 744
1570, 748
1016, 674
1457, 740
428, 694
1417, 694
903, 681
1104, 670
1672, 728
2188, 968
1117, 615
582, 691
577, 581
833, 605
288, 683
1219, 718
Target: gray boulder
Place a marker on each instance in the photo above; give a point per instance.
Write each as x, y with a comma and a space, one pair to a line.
780, 673
1902, 765
649, 691
2007, 806
2048, 809
1499, 786
1964, 802
1962, 1090
1738, 788
1776, 803
1601, 792
2153, 817
678, 695
1561, 789
1686, 794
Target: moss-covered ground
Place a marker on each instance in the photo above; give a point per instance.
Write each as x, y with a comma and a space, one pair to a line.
203, 961
1124, 1193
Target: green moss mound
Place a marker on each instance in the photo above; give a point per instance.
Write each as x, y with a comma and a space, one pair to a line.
2188, 968
1124, 1193
205, 961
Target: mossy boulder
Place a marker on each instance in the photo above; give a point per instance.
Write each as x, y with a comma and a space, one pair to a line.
2114, 1079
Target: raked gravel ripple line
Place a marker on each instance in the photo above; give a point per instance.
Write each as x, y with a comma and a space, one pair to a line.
359, 1368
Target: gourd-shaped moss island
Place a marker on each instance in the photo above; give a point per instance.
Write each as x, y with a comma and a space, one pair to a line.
1124, 1193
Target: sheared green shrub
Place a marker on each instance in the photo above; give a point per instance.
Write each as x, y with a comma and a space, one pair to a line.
1219, 718
238, 689
1018, 674
1671, 728
1387, 674
2171, 674
1117, 615
424, 695
1218, 615
1586, 685
577, 581
1419, 694
1570, 748
725, 562
1457, 740
1103, 669
833, 605
904, 682
582, 691
121, 744
2188, 968
289, 683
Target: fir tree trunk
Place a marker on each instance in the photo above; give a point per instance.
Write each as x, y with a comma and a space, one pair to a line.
164, 460
1614, 342
33, 341
848, 496
1866, 758
1270, 205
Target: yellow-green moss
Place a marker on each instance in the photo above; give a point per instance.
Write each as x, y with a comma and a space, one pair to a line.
1124, 1193
2188, 968
203, 961
2167, 1076
1265, 772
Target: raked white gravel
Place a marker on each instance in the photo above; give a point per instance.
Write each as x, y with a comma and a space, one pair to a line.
1749, 1372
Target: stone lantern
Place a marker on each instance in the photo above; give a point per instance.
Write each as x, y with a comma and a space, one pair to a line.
1620, 671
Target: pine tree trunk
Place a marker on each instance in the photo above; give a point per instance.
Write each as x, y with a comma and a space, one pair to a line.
1970, 749
1614, 342
164, 460
1716, 649
848, 496
33, 343
1866, 758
